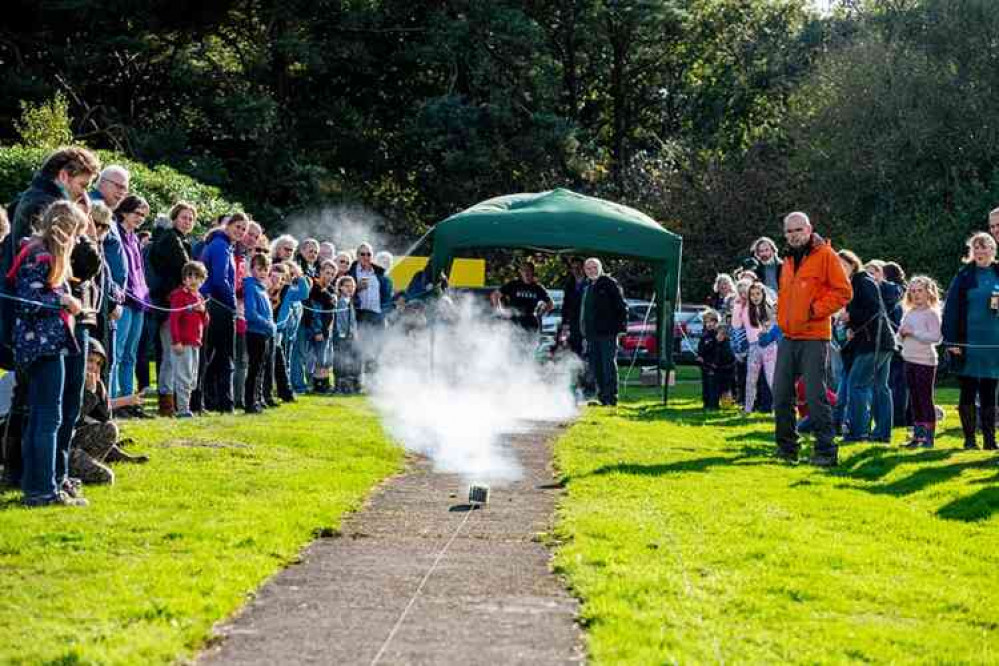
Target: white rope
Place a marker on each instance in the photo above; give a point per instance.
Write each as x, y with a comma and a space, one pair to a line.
419, 589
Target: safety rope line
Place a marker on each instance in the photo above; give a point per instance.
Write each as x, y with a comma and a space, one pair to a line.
419, 589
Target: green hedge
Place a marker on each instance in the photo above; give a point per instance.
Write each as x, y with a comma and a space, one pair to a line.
160, 185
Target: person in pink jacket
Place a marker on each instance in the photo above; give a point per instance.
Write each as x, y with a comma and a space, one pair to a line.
756, 318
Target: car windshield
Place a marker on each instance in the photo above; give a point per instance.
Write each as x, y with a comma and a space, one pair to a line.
637, 313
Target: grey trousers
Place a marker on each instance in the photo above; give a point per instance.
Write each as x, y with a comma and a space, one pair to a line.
185, 375
807, 359
164, 378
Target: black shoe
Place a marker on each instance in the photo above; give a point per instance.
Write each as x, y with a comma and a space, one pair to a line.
823, 460
787, 456
256, 409
272, 403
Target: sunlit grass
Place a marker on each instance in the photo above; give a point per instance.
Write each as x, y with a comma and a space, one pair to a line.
142, 574
689, 544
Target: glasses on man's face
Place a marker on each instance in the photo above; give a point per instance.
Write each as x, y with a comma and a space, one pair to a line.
791, 232
260, 250
120, 186
364, 254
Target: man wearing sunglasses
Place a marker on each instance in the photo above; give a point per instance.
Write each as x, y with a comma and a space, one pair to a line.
373, 298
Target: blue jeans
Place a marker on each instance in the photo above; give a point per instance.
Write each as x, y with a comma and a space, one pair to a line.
126, 347
39, 440
299, 352
869, 392
840, 411
75, 369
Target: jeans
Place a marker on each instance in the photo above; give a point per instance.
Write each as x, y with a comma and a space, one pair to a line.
39, 440
75, 371
870, 396
126, 348
297, 350
807, 359
601, 354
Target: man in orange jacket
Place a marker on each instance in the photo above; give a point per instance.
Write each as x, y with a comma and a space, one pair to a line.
813, 287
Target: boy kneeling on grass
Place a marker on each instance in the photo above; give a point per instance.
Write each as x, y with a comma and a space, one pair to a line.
95, 440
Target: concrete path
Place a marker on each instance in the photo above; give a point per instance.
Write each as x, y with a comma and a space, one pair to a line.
416, 578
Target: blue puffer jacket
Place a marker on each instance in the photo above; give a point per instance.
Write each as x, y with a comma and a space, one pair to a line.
218, 259
257, 308
289, 312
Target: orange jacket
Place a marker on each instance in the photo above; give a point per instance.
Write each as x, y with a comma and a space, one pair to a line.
809, 296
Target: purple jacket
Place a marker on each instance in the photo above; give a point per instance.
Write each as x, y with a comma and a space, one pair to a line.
138, 292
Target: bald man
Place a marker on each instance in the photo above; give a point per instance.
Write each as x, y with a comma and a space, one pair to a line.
813, 287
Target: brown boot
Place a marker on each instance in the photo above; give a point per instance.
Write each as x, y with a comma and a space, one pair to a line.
167, 407
117, 455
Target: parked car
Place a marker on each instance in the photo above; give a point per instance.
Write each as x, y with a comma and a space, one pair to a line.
639, 342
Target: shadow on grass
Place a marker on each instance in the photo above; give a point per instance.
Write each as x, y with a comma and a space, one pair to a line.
873, 464
977, 506
747, 456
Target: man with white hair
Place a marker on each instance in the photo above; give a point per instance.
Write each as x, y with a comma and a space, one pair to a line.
384, 259
994, 224
112, 187
603, 317
813, 287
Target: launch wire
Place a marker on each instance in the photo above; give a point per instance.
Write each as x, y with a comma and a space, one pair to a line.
419, 588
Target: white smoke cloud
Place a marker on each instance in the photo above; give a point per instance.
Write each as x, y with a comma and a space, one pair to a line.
345, 226
452, 391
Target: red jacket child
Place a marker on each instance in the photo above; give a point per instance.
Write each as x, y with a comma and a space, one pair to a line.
187, 326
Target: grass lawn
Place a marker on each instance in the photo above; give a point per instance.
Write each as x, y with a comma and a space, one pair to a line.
141, 575
688, 544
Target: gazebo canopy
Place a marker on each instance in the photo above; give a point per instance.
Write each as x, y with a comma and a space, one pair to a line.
569, 223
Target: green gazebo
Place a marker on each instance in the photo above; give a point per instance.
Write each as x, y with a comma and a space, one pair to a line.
565, 222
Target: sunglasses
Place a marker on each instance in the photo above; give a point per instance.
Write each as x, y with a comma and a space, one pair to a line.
364, 254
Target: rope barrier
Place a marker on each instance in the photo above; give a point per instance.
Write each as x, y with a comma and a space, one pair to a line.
419, 589
17, 299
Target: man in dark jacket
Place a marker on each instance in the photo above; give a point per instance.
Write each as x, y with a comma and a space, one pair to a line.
603, 316
572, 298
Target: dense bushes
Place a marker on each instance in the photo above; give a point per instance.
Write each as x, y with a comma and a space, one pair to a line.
161, 185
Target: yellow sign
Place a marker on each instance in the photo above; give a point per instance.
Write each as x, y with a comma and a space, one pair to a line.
464, 272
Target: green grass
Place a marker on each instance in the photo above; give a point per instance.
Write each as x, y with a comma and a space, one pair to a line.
141, 575
688, 544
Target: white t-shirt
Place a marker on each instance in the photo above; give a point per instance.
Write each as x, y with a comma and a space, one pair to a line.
370, 297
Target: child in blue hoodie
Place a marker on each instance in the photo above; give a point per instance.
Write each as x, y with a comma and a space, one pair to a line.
260, 330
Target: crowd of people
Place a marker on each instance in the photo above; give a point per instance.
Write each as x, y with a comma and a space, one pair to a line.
851, 346
231, 320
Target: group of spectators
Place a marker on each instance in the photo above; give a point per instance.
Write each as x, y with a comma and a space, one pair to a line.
594, 315
231, 319
852, 345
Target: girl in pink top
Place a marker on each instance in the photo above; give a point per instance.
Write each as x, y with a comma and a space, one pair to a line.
919, 333
755, 318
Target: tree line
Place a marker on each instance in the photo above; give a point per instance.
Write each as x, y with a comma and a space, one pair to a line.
716, 117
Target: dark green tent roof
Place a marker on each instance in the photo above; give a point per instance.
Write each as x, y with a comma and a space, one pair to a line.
558, 220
